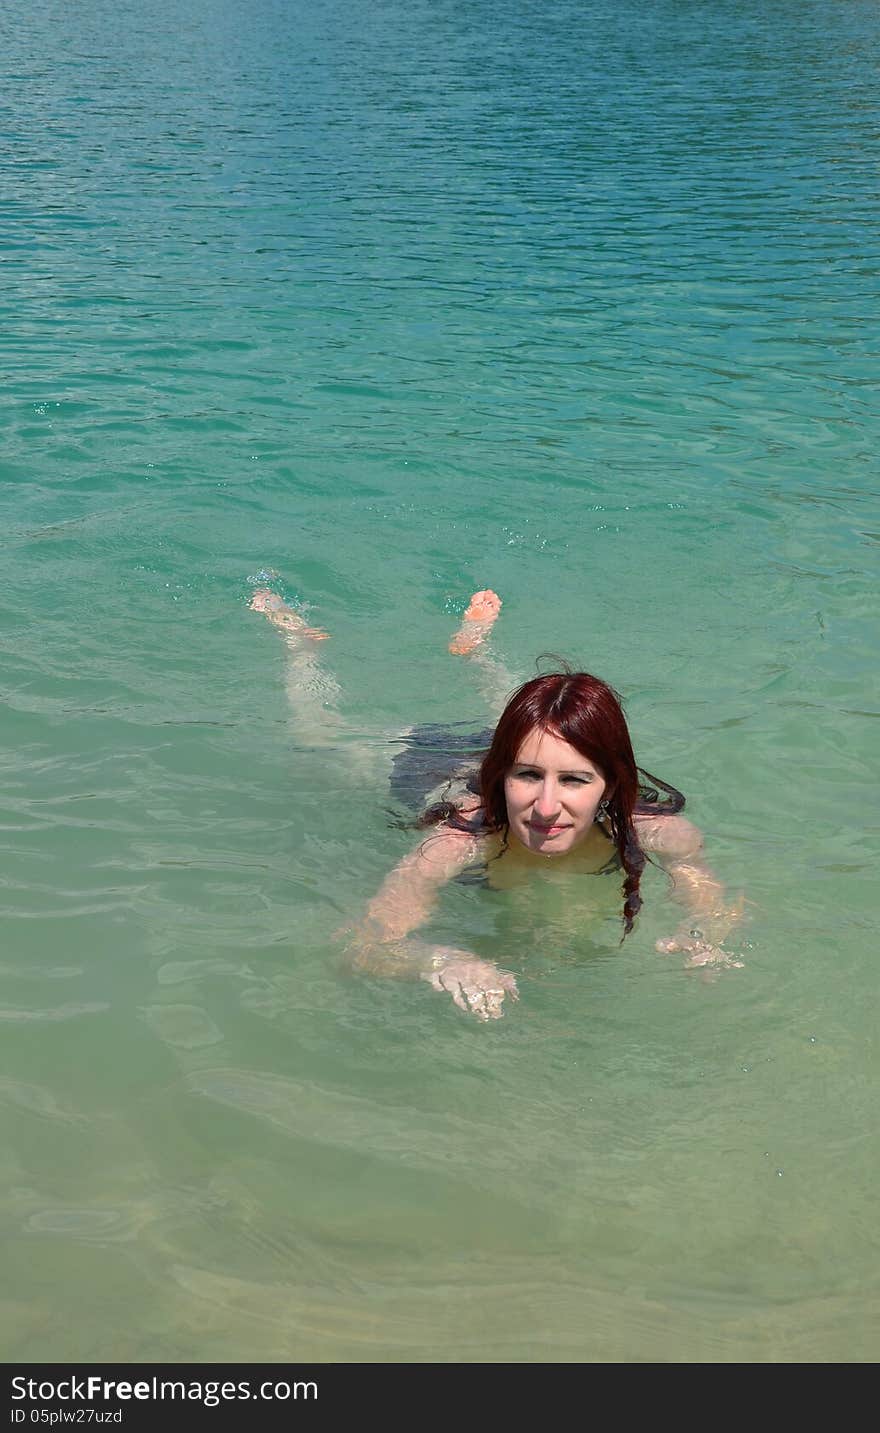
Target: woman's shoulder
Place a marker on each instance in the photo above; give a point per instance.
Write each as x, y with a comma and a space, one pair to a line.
465, 816
442, 853
668, 835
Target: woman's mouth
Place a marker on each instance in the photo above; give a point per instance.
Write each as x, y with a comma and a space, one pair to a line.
546, 830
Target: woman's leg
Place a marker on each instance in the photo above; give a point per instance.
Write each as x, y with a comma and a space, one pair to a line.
312, 691
313, 694
471, 642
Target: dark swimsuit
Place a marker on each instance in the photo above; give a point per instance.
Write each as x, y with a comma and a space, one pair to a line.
444, 757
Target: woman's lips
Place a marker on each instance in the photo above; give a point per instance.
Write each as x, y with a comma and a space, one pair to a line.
546, 830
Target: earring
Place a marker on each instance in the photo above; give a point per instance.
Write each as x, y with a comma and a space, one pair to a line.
602, 811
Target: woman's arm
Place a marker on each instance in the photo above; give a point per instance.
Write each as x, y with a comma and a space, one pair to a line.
382, 944
678, 844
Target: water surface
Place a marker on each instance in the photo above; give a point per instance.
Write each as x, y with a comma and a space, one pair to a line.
574, 301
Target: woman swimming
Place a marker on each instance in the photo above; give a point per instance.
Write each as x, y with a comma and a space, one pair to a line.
558, 786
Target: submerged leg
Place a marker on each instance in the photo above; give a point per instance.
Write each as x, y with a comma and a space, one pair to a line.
470, 641
312, 691
313, 695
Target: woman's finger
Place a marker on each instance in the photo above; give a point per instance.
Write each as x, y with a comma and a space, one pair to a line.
455, 989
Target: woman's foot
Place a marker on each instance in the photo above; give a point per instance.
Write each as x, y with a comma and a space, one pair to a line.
479, 619
283, 616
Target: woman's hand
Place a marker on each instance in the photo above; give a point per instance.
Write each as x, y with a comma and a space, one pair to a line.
475, 985
698, 949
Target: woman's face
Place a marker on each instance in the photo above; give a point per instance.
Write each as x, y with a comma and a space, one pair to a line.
552, 794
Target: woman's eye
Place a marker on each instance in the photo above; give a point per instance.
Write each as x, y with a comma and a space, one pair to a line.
576, 780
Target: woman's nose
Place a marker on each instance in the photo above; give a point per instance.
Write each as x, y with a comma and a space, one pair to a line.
547, 803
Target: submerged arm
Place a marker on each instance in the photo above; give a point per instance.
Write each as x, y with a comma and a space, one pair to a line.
678, 844
383, 944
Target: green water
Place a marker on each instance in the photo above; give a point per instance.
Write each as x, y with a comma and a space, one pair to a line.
574, 301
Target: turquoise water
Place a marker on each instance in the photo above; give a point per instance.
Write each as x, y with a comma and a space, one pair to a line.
577, 301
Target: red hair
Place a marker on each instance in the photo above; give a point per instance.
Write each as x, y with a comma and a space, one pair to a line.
587, 714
